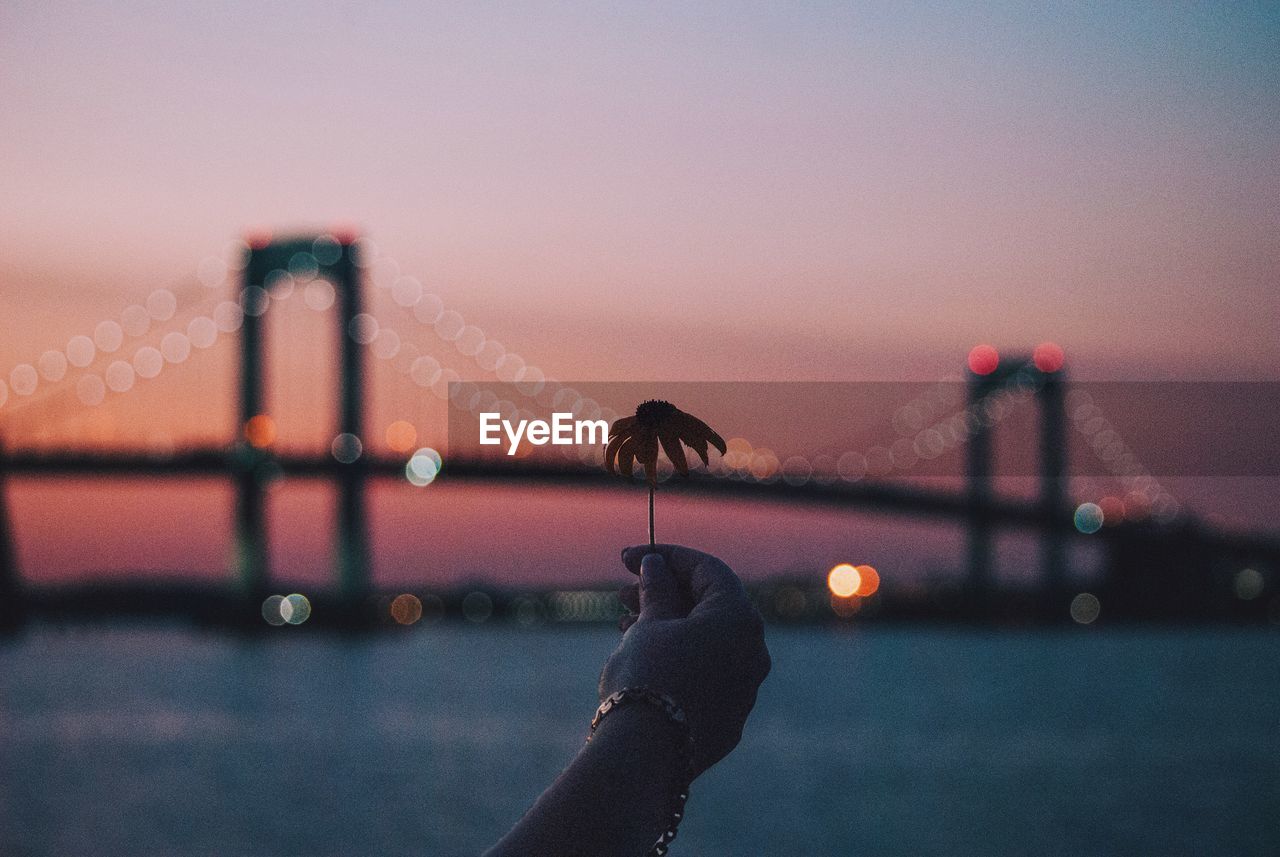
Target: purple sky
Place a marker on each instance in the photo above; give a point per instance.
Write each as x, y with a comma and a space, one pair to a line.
823, 192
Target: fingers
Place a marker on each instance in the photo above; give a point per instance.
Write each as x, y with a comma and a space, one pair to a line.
630, 597
711, 583
659, 594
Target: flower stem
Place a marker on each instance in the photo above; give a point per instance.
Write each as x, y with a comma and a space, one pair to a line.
651, 516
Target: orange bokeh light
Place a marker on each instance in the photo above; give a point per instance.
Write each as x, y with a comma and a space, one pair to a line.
1048, 357
983, 359
401, 436
870, 580
260, 431
844, 580
406, 609
1113, 510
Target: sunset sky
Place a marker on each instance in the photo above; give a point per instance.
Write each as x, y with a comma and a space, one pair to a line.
826, 191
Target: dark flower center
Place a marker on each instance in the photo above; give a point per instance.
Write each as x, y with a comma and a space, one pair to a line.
654, 412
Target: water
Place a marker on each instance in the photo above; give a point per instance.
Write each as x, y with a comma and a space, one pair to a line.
884, 741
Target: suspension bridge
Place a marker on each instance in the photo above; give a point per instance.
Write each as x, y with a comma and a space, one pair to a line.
1170, 569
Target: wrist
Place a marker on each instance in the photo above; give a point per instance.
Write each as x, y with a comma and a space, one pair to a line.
647, 733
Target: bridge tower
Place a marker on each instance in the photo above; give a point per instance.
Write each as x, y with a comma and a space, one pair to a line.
337, 262
1046, 379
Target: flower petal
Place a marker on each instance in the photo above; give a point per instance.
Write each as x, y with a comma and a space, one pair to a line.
611, 451
699, 445
691, 427
706, 431
620, 425
671, 446
647, 453
627, 456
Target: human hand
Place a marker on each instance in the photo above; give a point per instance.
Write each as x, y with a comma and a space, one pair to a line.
697, 638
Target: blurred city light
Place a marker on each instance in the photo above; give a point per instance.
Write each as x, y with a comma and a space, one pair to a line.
401, 436
1047, 357
1248, 584
844, 580
406, 609
271, 610
346, 448
423, 467
477, 607
260, 431
869, 581
983, 359
1085, 608
1089, 518
295, 609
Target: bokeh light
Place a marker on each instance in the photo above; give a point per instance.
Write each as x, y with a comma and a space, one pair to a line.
406, 291
1085, 608
24, 379
1248, 584
1113, 510
319, 295
80, 351
120, 376
423, 467
52, 365
401, 436
983, 359
843, 580
1047, 357
363, 328
147, 362
136, 320
202, 331
108, 336
260, 431
869, 581
1089, 518
845, 607
406, 609
326, 249
175, 347
477, 607
161, 304
228, 316
295, 609
271, 610
346, 448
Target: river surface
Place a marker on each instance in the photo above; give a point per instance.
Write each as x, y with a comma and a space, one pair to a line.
902, 741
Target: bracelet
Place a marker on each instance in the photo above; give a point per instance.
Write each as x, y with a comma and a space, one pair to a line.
675, 714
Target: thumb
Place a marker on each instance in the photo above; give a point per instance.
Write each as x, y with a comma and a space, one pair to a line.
659, 597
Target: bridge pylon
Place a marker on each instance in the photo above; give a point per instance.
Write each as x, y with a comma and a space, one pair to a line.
338, 263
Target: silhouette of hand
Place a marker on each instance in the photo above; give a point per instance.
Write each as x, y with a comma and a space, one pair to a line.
696, 638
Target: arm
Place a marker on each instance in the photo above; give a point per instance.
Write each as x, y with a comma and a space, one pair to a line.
696, 639
615, 796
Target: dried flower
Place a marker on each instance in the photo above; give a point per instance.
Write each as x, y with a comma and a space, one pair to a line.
637, 438
655, 424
